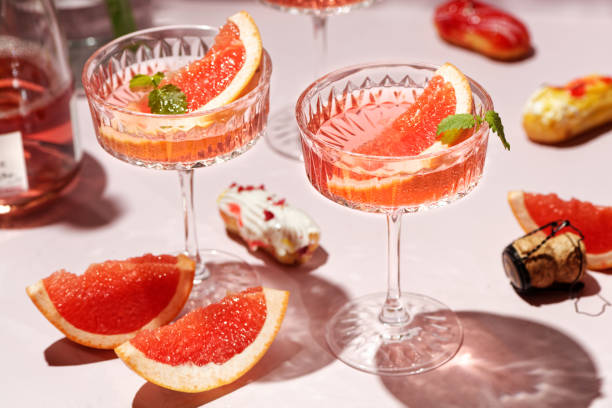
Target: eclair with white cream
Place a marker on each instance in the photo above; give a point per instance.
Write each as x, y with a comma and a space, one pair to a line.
263, 220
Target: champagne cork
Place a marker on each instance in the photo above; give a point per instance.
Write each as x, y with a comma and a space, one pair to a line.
538, 260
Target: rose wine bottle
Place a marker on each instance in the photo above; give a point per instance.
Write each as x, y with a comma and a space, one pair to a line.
39, 155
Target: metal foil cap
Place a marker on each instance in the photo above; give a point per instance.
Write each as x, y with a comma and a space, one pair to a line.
515, 268
540, 259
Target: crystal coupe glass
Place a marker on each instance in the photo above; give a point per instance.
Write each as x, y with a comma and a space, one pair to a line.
286, 141
393, 332
179, 142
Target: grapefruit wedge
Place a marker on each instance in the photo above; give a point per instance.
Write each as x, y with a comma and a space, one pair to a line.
414, 131
209, 346
226, 69
223, 73
109, 303
534, 210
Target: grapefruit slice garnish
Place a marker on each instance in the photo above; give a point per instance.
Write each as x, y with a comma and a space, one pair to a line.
223, 73
534, 210
414, 131
109, 303
209, 346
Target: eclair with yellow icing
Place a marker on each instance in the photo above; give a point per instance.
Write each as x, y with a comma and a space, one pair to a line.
555, 114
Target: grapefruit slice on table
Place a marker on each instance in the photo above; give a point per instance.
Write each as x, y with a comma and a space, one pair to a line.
109, 303
209, 346
412, 133
534, 210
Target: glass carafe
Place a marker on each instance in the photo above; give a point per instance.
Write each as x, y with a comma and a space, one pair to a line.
39, 153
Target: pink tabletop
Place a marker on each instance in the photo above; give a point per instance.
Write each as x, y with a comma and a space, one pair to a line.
543, 351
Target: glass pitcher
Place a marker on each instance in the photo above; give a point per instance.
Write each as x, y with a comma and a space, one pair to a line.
39, 152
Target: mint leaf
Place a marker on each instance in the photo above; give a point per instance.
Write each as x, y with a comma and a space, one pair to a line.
141, 82
496, 126
450, 136
156, 79
456, 122
451, 126
168, 100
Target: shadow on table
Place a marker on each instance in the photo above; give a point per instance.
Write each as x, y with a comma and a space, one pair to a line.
67, 353
505, 362
588, 287
312, 304
82, 206
299, 348
585, 137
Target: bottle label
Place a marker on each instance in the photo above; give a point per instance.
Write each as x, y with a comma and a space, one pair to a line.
13, 175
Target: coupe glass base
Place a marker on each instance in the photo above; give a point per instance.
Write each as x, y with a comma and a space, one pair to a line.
228, 273
429, 339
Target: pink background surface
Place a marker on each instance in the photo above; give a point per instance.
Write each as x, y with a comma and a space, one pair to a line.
545, 351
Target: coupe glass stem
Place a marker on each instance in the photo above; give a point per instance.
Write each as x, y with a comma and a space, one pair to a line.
319, 25
393, 311
191, 235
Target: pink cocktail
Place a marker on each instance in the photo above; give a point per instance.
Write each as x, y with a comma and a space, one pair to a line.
373, 183
339, 114
314, 4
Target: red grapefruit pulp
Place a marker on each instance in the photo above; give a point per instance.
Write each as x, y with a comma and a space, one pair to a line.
224, 72
415, 130
204, 79
112, 300
210, 346
447, 93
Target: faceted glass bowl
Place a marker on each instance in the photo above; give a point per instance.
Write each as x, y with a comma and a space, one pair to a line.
184, 141
414, 182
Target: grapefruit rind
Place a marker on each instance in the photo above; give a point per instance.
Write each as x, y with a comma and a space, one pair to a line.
599, 262
463, 96
463, 92
40, 297
193, 378
249, 35
516, 200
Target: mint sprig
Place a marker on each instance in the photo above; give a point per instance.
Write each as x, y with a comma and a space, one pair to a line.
451, 127
496, 126
168, 100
